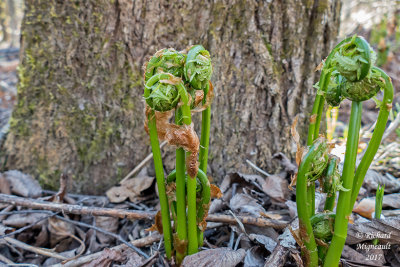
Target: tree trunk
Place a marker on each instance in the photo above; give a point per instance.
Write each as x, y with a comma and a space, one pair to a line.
80, 104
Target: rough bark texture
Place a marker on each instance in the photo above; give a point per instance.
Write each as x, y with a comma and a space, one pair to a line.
80, 106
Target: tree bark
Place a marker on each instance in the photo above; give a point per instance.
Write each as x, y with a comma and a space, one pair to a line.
80, 104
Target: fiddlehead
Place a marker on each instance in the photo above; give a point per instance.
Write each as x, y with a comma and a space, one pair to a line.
174, 80
333, 94
364, 89
331, 183
323, 226
319, 162
198, 68
163, 91
165, 61
303, 205
354, 59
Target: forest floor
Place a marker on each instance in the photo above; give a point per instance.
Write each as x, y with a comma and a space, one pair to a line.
250, 225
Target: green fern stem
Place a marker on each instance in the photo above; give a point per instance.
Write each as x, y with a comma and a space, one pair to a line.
376, 138
165, 216
331, 194
181, 228
342, 210
303, 205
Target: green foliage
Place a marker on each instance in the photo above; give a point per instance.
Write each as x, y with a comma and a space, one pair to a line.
348, 72
323, 230
163, 96
198, 68
333, 94
319, 161
353, 59
363, 90
171, 78
165, 61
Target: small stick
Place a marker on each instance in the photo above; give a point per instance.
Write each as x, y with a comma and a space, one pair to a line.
5, 260
130, 214
75, 209
141, 164
6, 209
42, 251
247, 220
254, 166
142, 242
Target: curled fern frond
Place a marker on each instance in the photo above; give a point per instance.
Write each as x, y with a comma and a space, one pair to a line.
162, 91
198, 68
167, 61
333, 94
319, 161
322, 225
354, 59
323, 230
365, 89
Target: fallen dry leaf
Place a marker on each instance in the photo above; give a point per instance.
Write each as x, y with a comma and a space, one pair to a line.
131, 188
352, 254
254, 257
4, 185
20, 220
106, 258
245, 204
215, 192
157, 226
42, 239
392, 201
221, 257
373, 179
296, 138
286, 163
367, 205
276, 187
22, 184
109, 224
268, 242
134, 260
59, 230
387, 230
365, 208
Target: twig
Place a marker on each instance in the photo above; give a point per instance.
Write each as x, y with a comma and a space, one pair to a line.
42, 251
254, 166
246, 220
143, 242
130, 214
5, 260
75, 209
151, 260
6, 209
238, 221
141, 164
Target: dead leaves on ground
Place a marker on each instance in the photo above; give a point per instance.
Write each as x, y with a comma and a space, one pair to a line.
21, 184
221, 257
130, 189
